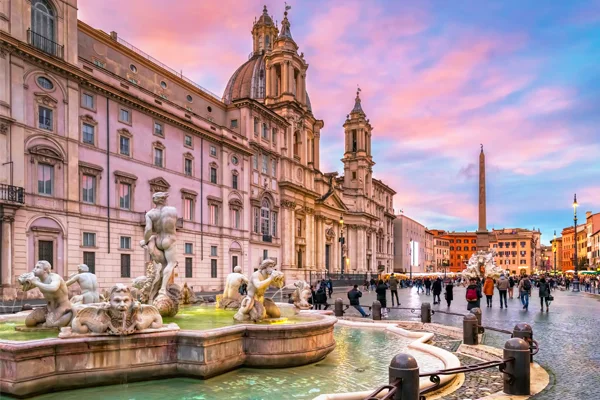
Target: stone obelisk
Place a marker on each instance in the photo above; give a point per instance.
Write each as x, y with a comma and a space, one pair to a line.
483, 240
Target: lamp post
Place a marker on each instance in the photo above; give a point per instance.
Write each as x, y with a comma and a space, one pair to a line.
575, 276
342, 242
554, 249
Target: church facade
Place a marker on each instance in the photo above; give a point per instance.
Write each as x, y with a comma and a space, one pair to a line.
91, 127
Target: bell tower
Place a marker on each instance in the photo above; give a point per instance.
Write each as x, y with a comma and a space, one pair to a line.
358, 162
264, 33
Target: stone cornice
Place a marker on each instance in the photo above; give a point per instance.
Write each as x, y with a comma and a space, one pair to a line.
70, 71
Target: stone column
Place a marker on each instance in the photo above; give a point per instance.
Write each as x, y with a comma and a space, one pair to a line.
268, 83
285, 77
275, 86
301, 89
8, 218
317, 147
319, 243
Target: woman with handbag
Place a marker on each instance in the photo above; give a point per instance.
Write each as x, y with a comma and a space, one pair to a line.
544, 292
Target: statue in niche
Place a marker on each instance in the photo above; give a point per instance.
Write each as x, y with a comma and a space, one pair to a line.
232, 297
254, 306
121, 315
58, 311
158, 286
301, 295
88, 284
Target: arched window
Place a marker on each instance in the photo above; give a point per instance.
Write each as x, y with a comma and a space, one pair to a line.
42, 19
267, 42
265, 217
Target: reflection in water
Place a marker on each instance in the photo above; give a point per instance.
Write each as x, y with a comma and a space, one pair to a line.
359, 362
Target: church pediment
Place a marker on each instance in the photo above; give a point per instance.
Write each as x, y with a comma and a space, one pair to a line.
159, 185
334, 201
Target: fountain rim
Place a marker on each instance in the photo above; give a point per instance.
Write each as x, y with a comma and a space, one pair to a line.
313, 321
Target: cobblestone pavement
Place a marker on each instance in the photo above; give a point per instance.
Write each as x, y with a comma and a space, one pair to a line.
569, 335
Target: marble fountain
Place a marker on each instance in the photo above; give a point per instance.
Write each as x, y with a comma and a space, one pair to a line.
143, 343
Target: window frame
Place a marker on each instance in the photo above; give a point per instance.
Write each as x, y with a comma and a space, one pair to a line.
130, 114
52, 179
121, 242
44, 127
161, 132
212, 150
124, 133
213, 176
82, 104
191, 144
125, 269
233, 123
94, 188
89, 235
161, 147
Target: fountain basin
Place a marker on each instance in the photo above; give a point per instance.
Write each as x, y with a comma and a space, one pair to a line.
39, 366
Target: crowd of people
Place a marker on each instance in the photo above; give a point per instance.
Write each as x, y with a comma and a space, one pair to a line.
505, 287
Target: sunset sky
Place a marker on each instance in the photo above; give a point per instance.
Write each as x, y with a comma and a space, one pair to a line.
438, 78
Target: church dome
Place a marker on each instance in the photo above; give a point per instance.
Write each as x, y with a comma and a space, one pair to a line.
248, 81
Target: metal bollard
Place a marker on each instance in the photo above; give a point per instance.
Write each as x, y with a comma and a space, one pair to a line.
404, 367
376, 311
470, 326
338, 308
525, 331
477, 312
517, 374
426, 313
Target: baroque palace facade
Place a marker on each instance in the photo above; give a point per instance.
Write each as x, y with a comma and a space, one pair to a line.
91, 126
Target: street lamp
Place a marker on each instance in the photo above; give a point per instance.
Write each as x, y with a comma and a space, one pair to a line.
554, 249
342, 242
575, 277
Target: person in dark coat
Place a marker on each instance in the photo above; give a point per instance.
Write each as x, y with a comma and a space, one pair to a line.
354, 296
321, 299
437, 290
449, 293
427, 286
329, 287
544, 292
381, 291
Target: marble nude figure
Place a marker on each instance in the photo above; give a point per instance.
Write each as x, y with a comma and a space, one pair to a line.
159, 239
58, 312
231, 294
88, 284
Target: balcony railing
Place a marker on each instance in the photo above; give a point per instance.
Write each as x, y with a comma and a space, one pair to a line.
45, 44
12, 193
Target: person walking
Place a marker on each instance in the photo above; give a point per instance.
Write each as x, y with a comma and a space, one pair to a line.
427, 286
503, 286
473, 294
354, 296
382, 297
524, 291
394, 289
329, 287
321, 299
488, 290
544, 292
420, 286
511, 286
373, 284
449, 293
437, 290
